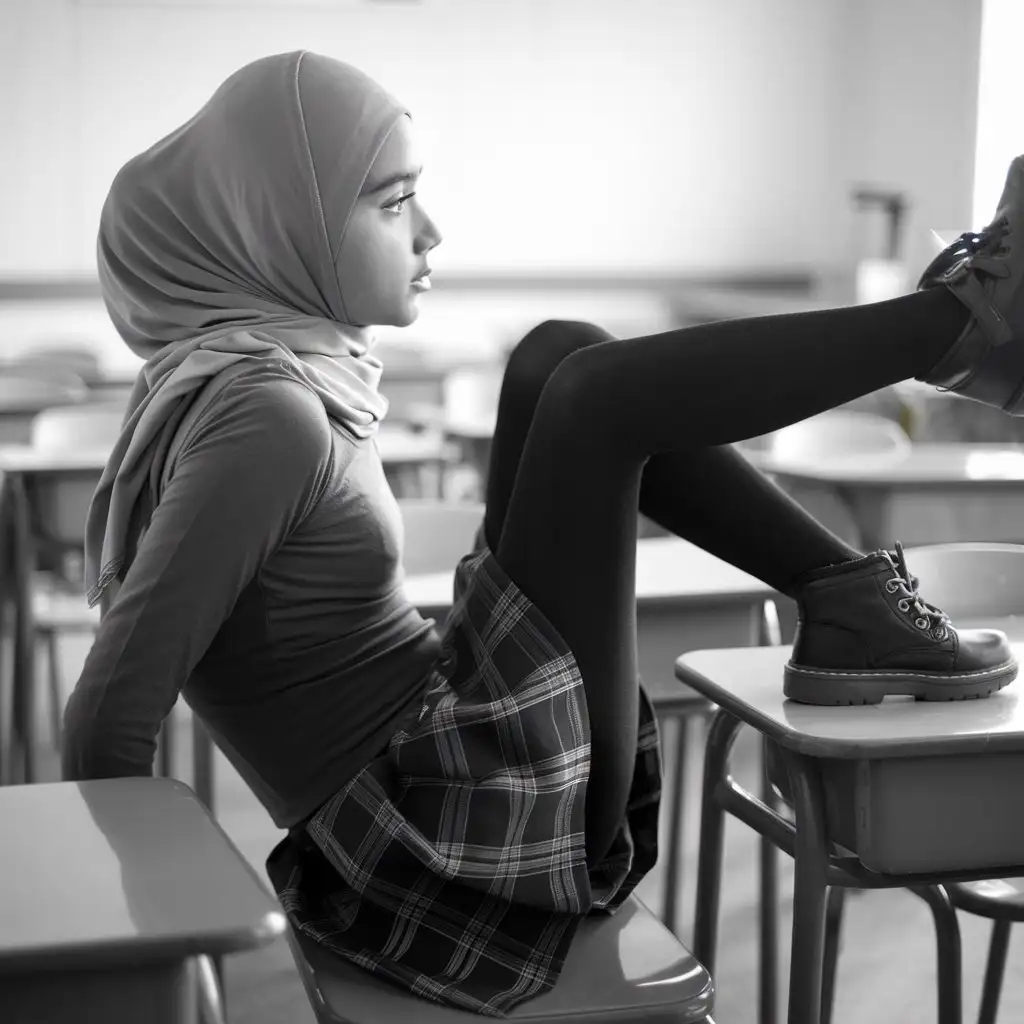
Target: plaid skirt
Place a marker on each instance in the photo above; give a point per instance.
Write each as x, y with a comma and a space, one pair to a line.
453, 864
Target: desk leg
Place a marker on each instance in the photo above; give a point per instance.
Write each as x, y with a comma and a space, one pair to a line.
768, 999
810, 864
24, 711
949, 965
675, 826
718, 746
8, 621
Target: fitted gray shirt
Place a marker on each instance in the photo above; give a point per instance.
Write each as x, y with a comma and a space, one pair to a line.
268, 591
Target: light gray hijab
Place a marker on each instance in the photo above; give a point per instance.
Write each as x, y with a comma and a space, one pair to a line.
219, 244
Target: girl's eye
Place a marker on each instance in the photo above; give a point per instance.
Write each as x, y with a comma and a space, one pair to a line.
398, 206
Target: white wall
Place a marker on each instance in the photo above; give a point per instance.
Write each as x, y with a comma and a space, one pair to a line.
1000, 127
606, 135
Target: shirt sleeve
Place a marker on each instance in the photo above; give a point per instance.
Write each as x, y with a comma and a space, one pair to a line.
258, 459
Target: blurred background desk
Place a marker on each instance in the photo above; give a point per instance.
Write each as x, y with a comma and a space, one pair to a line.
931, 493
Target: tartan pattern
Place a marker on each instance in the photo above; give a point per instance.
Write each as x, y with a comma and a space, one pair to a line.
453, 864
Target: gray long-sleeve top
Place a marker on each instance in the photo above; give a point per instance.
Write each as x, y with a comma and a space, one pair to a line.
267, 590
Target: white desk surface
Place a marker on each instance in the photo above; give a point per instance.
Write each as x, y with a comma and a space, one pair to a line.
926, 464
396, 444
748, 682
117, 871
668, 570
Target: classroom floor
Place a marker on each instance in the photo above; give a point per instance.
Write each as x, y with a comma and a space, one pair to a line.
886, 967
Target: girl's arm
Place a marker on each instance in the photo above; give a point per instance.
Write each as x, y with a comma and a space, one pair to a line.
256, 463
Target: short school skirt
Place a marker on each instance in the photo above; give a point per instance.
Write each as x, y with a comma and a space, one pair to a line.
453, 865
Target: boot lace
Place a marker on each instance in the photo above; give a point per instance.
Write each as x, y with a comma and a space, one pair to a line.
973, 250
926, 616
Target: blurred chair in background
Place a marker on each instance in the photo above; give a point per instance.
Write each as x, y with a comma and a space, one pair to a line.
79, 360
59, 504
830, 435
25, 391
836, 434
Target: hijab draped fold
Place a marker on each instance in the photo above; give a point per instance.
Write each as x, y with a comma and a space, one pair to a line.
219, 245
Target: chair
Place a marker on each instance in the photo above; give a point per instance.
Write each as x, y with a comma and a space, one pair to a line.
624, 968
25, 391
971, 582
620, 969
56, 358
61, 504
60, 507
837, 434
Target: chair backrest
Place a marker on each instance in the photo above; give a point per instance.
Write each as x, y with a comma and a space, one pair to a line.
88, 425
62, 499
836, 433
59, 358
438, 534
26, 388
970, 580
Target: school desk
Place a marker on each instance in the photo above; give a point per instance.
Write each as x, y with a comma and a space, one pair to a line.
937, 492
110, 890
902, 794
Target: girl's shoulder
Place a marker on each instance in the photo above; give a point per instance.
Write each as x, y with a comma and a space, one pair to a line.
253, 405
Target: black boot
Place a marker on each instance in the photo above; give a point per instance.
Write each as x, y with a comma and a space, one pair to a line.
985, 271
864, 633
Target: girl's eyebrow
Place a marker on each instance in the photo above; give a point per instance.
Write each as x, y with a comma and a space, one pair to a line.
391, 179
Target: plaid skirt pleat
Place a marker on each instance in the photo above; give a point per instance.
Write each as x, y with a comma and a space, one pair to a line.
453, 864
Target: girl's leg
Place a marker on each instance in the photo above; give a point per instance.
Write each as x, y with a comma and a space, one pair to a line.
710, 494
569, 534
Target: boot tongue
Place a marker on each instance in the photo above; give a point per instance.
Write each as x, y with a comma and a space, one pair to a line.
897, 561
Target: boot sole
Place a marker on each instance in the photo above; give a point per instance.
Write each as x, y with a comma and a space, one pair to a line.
828, 687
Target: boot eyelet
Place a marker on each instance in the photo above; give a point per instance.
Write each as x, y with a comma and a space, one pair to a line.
921, 623
891, 586
903, 604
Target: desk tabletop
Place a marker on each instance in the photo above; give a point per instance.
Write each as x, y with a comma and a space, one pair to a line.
747, 681
122, 870
927, 463
669, 570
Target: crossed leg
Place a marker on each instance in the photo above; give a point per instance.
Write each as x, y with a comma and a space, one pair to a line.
591, 429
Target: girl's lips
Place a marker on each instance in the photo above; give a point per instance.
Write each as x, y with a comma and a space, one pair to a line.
422, 284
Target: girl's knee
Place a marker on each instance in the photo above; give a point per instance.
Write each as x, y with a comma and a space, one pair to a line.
545, 346
564, 335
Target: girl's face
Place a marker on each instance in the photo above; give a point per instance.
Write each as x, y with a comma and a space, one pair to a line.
385, 245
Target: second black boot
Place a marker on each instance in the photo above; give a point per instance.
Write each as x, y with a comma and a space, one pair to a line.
865, 633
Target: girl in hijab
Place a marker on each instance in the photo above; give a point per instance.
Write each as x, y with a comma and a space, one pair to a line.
456, 803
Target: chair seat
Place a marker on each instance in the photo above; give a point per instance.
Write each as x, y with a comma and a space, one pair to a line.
998, 898
620, 969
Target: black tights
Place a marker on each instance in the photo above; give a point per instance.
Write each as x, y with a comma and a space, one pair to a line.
590, 429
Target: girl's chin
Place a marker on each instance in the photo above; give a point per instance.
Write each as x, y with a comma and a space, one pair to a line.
409, 313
